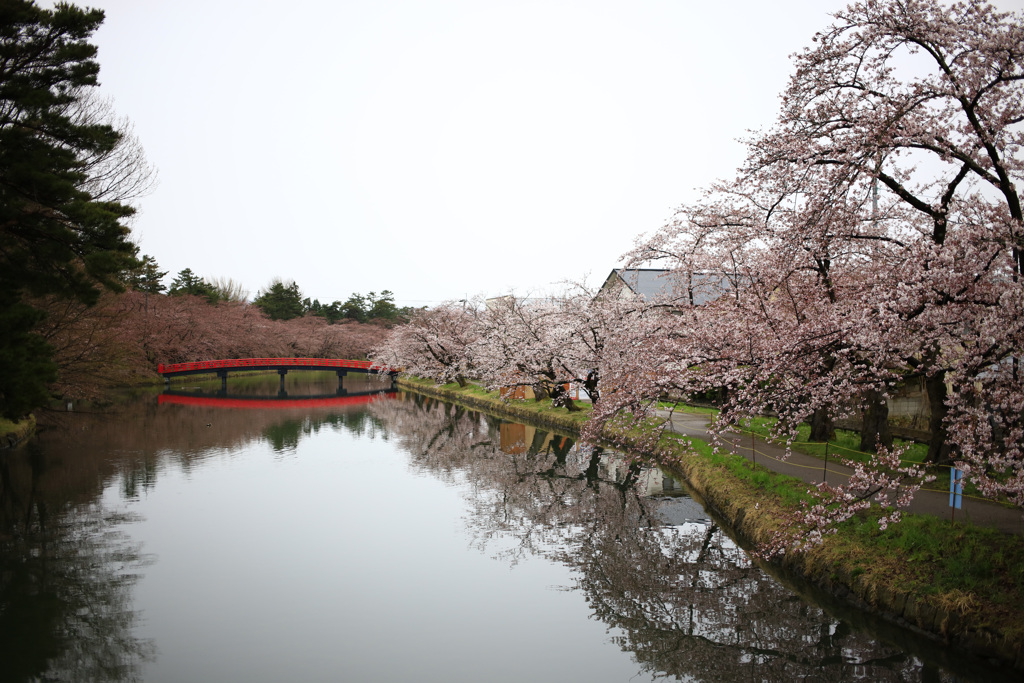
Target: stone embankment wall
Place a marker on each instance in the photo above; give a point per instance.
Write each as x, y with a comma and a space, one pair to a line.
754, 518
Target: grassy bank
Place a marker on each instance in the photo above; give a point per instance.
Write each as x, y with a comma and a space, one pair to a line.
958, 583
13, 433
539, 412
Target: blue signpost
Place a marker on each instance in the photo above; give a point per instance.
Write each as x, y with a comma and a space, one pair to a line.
956, 491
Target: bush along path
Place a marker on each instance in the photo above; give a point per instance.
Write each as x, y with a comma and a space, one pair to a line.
961, 582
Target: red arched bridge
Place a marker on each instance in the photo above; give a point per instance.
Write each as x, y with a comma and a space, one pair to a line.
282, 365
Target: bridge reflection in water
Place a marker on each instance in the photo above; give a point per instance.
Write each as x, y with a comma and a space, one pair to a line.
280, 401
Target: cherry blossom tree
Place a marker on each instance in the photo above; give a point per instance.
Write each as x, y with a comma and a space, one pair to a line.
435, 343
592, 322
873, 235
87, 346
547, 343
522, 343
925, 100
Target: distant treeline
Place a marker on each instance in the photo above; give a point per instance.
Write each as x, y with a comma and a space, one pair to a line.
280, 300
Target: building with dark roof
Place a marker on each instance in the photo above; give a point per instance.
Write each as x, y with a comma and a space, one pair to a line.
652, 284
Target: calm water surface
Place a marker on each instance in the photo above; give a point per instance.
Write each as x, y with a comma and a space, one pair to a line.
385, 538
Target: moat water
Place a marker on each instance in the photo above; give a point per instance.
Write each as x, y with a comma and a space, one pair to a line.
386, 537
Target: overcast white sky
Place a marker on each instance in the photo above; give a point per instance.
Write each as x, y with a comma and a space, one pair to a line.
436, 148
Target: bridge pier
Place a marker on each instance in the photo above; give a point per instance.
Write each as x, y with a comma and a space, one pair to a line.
281, 392
223, 374
342, 391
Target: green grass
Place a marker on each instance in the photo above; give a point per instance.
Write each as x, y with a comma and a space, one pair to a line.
789, 490
687, 408
967, 569
20, 428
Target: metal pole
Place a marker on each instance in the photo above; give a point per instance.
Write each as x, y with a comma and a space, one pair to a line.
824, 470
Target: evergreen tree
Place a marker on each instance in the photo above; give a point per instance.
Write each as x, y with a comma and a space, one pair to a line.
281, 301
26, 364
382, 307
330, 312
188, 283
354, 308
147, 276
57, 238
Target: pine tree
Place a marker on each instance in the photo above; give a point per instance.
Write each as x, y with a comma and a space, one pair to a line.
56, 238
147, 276
382, 307
281, 301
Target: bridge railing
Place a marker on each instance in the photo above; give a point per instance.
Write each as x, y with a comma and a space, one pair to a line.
226, 364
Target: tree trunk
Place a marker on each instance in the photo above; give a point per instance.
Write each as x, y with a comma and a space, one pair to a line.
590, 386
874, 428
560, 397
939, 451
822, 427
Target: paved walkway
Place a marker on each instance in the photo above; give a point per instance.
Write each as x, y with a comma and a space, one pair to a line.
813, 470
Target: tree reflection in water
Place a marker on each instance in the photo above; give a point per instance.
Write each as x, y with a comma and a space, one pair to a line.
66, 573
284, 436
685, 599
